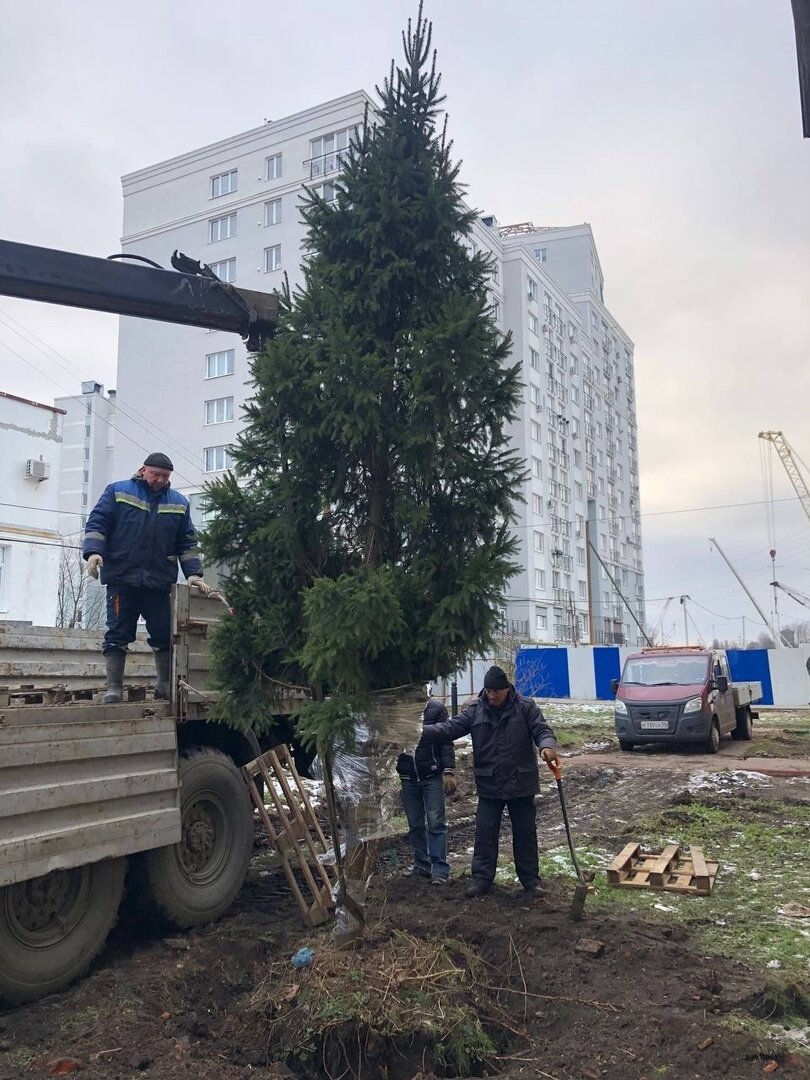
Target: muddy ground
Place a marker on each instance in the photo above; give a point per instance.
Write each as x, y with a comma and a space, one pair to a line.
682, 987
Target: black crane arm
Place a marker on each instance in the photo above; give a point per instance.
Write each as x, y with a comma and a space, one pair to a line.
147, 292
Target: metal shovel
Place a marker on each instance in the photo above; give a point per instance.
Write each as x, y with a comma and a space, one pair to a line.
583, 879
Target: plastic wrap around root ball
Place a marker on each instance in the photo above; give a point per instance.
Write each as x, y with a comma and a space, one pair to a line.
367, 792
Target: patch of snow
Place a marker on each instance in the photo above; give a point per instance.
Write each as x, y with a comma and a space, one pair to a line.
774, 964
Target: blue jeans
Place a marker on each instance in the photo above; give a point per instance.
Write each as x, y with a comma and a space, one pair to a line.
424, 802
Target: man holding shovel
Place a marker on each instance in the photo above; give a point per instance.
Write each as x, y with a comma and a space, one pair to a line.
505, 727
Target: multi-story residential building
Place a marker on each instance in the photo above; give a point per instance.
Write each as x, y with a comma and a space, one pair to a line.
235, 205
30, 545
580, 532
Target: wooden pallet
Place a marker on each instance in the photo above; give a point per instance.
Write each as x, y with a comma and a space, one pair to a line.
11, 697
668, 869
295, 833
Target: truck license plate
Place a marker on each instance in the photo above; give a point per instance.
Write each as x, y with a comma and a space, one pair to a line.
657, 725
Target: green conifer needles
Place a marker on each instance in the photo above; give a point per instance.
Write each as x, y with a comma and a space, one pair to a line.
367, 538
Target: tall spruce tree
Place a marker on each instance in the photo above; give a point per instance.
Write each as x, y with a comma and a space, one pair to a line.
366, 538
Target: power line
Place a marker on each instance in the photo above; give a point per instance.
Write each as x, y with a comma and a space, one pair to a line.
127, 410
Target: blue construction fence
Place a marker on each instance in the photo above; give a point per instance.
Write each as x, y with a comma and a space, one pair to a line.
585, 673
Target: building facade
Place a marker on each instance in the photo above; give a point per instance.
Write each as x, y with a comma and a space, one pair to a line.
30, 546
86, 469
235, 206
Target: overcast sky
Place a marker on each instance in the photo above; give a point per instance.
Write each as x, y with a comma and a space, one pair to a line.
672, 127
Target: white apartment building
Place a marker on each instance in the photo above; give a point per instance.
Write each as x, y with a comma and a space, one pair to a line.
30, 546
235, 206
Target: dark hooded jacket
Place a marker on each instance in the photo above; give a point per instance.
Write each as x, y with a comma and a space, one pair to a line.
503, 741
428, 759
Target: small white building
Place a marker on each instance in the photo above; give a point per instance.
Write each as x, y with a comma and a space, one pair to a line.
30, 546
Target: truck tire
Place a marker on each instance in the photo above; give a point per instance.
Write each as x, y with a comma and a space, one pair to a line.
53, 927
745, 725
195, 881
625, 744
713, 742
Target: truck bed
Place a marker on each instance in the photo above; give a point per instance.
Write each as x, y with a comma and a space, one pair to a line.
746, 693
79, 783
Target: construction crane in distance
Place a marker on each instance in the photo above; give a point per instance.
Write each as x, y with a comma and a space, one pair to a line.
788, 458
779, 639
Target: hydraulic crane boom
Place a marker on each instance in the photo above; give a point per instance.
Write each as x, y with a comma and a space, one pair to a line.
799, 597
190, 295
786, 453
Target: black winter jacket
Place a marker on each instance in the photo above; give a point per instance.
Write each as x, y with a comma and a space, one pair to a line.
504, 759
428, 760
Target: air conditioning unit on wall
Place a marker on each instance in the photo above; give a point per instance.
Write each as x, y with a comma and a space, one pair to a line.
37, 470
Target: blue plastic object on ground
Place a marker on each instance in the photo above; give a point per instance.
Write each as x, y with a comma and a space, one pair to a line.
303, 958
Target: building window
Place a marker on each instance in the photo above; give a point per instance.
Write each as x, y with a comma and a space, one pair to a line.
328, 191
581, 590
580, 556
85, 476
537, 504
534, 326
578, 494
575, 394
540, 580
538, 541
534, 359
537, 468
221, 228
272, 258
532, 289
225, 269
272, 167
87, 453
223, 183
87, 431
541, 618
535, 430
84, 499
5, 552
272, 212
219, 410
328, 152
217, 458
541, 254
496, 273
219, 363
496, 310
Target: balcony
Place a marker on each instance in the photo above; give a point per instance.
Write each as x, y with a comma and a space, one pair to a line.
560, 527
561, 561
325, 164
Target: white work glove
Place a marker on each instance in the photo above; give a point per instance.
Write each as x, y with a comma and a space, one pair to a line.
94, 564
196, 582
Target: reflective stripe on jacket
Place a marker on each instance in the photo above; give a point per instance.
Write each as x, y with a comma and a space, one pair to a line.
142, 535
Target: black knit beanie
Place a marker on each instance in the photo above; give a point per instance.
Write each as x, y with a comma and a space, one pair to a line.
495, 679
159, 461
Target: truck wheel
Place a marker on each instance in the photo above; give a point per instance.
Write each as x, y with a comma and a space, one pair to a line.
53, 927
195, 881
713, 743
625, 744
745, 725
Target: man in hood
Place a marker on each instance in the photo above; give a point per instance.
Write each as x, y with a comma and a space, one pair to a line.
505, 727
136, 536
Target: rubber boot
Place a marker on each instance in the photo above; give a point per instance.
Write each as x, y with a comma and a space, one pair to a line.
163, 666
114, 662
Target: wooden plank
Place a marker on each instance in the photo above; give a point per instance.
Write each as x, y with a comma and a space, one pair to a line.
620, 863
660, 863
700, 869
74, 749
12, 734
93, 789
103, 841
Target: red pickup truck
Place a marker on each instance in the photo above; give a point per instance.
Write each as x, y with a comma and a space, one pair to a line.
682, 694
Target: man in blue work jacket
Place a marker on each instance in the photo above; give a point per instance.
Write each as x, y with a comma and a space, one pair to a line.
137, 534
